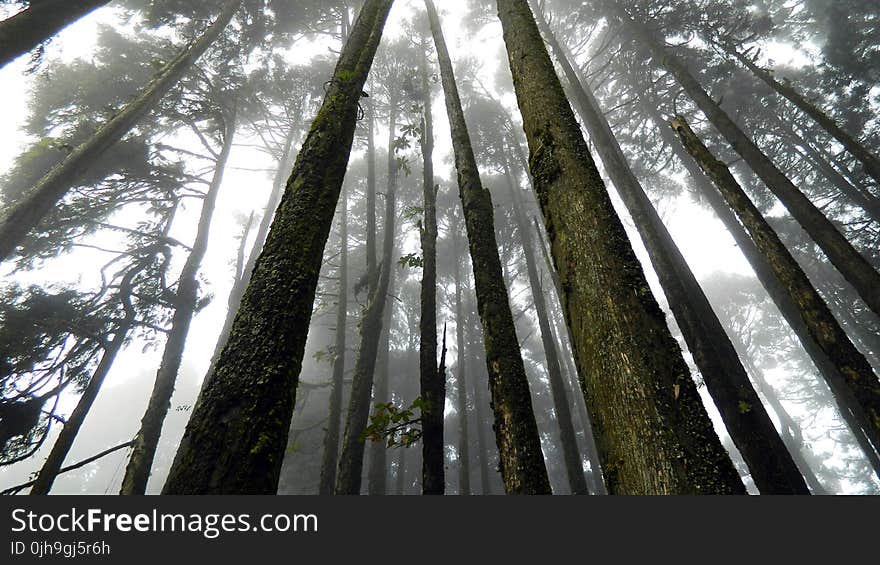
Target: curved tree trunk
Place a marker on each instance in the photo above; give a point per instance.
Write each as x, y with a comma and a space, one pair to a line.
853, 266
137, 473
516, 432
28, 212
653, 433
238, 431
330, 460
859, 388
769, 462
38, 23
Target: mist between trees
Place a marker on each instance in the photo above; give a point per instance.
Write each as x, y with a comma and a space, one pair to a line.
392, 247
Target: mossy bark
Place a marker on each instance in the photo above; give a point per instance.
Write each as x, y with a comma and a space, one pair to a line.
855, 385
574, 467
27, 213
351, 461
853, 266
38, 23
330, 457
237, 434
653, 433
769, 462
432, 383
869, 161
516, 432
137, 472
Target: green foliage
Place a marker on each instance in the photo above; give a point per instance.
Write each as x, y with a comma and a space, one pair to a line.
412, 260
398, 427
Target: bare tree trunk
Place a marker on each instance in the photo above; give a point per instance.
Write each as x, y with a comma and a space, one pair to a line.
653, 433
237, 434
38, 23
329, 460
516, 432
769, 462
378, 467
137, 473
853, 266
27, 213
461, 405
432, 382
859, 388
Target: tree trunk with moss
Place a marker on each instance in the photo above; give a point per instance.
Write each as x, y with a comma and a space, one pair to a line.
329, 460
769, 462
574, 467
858, 389
38, 23
869, 161
27, 213
137, 473
516, 432
351, 461
432, 383
653, 433
377, 472
461, 404
853, 266
237, 435
764, 272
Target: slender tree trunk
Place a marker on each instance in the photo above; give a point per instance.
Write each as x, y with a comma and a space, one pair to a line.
870, 161
27, 213
853, 266
371, 201
378, 459
351, 461
244, 278
653, 433
38, 23
771, 466
52, 466
137, 473
516, 432
237, 434
765, 273
331, 439
400, 478
432, 383
574, 466
464, 458
859, 389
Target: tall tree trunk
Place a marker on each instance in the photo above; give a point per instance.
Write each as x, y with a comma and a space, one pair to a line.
870, 161
329, 460
516, 432
653, 433
481, 402
769, 462
461, 405
400, 477
766, 275
371, 201
244, 278
52, 466
432, 383
137, 473
378, 456
27, 213
237, 434
853, 266
351, 461
574, 466
859, 388
38, 23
